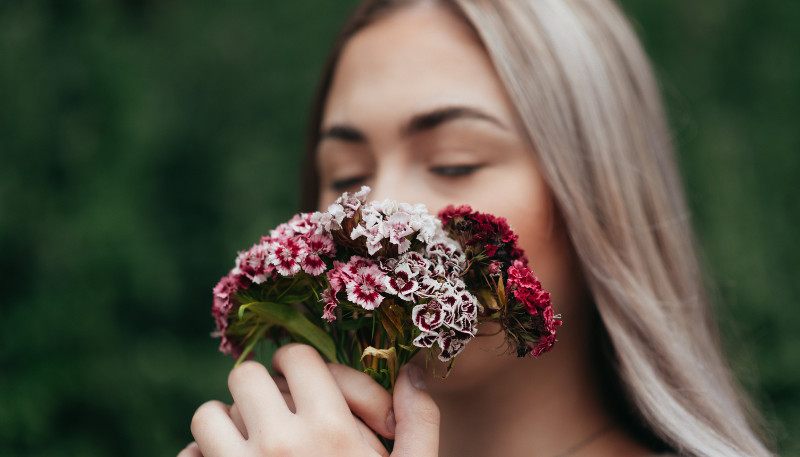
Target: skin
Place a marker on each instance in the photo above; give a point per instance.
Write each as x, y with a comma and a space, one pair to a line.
417, 112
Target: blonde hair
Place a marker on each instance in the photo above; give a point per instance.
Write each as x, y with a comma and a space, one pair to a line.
584, 91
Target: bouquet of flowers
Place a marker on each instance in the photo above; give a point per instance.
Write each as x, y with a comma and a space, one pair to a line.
371, 284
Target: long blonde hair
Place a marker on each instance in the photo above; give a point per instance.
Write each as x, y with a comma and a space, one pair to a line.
585, 93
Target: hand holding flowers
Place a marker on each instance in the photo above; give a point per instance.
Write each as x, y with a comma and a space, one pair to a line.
317, 419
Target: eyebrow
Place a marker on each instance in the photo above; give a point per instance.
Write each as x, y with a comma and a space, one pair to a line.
419, 123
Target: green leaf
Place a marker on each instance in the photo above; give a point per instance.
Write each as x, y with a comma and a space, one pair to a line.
296, 324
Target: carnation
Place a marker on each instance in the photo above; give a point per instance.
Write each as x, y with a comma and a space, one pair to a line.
371, 284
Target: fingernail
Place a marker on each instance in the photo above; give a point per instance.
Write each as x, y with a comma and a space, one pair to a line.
391, 423
416, 377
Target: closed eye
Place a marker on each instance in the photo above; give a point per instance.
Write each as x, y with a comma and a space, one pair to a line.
454, 170
344, 184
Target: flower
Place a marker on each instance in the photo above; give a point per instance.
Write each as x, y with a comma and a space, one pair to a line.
223, 291
402, 283
329, 305
363, 280
288, 255
526, 288
318, 245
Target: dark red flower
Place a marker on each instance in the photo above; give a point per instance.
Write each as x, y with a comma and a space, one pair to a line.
544, 345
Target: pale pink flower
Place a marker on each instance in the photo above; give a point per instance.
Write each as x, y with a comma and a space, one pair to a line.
330, 220
302, 224
351, 203
373, 235
398, 227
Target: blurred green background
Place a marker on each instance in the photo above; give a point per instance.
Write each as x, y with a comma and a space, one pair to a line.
143, 142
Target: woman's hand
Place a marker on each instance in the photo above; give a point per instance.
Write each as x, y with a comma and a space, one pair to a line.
309, 409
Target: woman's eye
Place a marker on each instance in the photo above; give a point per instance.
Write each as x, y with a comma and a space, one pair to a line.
344, 184
455, 170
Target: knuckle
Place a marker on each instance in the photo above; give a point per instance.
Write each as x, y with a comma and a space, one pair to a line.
427, 412
293, 351
276, 447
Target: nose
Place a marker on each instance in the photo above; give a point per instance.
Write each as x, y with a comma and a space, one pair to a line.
404, 184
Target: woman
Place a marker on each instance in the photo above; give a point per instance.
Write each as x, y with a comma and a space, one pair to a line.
544, 112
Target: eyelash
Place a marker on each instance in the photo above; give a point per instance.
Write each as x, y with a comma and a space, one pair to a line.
454, 171
444, 171
344, 184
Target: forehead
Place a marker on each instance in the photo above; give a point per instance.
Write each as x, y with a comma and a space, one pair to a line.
415, 59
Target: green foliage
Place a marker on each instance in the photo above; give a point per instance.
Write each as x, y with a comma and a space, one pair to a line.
143, 142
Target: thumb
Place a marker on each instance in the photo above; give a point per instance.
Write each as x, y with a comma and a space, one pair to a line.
417, 432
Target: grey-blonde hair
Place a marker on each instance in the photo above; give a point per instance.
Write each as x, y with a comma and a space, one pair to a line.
587, 99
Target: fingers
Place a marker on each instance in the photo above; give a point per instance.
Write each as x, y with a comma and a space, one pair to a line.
417, 416
192, 450
214, 431
256, 396
370, 438
365, 398
313, 388
236, 416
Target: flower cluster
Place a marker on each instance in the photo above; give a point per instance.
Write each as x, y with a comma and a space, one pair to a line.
387, 279
524, 309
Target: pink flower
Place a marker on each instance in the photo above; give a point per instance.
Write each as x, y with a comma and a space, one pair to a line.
289, 253
364, 284
253, 265
336, 277
222, 296
318, 245
329, 309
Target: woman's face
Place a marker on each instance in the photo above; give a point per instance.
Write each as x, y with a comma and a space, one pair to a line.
417, 112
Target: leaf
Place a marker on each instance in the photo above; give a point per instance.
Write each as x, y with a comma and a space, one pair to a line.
296, 324
391, 330
501, 292
395, 314
488, 299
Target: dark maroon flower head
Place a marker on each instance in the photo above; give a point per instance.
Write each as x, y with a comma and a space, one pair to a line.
454, 212
488, 233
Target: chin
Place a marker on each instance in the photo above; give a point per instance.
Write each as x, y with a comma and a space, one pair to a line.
476, 366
